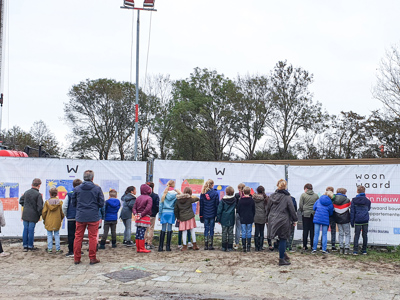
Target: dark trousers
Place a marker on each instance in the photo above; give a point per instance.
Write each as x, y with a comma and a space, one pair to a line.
282, 248
107, 226
227, 235
259, 233
357, 231
71, 235
308, 229
290, 241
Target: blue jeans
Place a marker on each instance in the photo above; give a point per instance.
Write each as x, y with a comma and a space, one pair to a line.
282, 248
209, 224
28, 234
166, 227
246, 230
317, 227
127, 231
50, 239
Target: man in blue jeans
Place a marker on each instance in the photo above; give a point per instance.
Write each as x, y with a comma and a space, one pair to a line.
32, 203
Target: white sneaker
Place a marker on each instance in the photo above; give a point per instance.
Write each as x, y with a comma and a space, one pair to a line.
4, 254
235, 246
180, 247
190, 245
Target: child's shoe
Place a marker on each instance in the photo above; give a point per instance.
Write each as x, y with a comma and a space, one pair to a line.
2, 254
341, 251
180, 247
59, 251
325, 251
190, 245
355, 253
244, 244
184, 248
230, 248
102, 245
364, 252
124, 242
236, 246
314, 252
49, 251
346, 251
114, 244
195, 246
223, 247
69, 254
334, 248
286, 257
129, 243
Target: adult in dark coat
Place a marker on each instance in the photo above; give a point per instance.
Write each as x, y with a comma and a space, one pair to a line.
32, 202
88, 198
280, 216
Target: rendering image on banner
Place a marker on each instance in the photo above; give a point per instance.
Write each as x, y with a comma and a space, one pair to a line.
253, 186
107, 185
9, 194
196, 183
220, 190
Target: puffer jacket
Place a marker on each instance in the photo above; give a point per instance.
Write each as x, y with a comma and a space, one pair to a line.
128, 201
184, 208
168, 205
323, 209
52, 214
226, 211
307, 201
260, 201
246, 210
341, 209
111, 208
209, 204
144, 202
359, 210
280, 215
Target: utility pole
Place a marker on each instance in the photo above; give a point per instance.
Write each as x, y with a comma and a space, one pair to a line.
2, 51
147, 5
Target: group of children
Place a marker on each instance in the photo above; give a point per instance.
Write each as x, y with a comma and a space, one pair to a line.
331, 210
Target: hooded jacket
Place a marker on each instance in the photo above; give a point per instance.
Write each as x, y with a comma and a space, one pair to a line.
226, 211
246, 210
156, 204
69, 210
32, 202
52, 214
168, 205
280, 214
111, 208
323, 210
128, 201
144, 202
306, 204
260, 201
209, 204
341, 209
359, 210
88, 199
184, 208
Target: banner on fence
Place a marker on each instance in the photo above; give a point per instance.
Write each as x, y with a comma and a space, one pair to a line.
382, 188
194, 174
16, 175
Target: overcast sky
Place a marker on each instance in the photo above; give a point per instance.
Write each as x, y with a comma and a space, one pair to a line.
53, 45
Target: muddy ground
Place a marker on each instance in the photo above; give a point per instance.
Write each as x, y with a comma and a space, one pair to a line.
194, 275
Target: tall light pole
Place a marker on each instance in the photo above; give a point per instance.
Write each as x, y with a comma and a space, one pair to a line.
147, 5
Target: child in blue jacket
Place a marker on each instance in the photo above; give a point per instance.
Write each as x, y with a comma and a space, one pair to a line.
359, 218
111, 208
323, 208
209, 200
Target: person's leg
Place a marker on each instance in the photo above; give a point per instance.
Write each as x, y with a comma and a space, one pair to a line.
261, 237
316, 236
306, 230
71, 235
57, 240
347, 235
282, 248
238, 229
224, 236
125, 230
256, 235
212, 226
248, 235
31, 234
179, 238
114, 234
49, 240
150, 231
189, 239
357, 230
193, 235
105, 233
365, 237
169, 237
243, 230
1, 247
333, 233
312, 230
341, 236
93, 229
184, 237
291, 236
230, 237
25, 234
80, 230
324, 237
206, 232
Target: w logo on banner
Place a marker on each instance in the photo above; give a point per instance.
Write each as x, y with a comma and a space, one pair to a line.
219, 172
72, 169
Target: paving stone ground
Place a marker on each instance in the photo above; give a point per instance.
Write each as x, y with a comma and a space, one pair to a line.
194, 275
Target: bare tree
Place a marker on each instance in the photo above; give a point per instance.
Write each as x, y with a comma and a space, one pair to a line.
387, 88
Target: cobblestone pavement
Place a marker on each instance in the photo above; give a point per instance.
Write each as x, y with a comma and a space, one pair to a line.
194, 275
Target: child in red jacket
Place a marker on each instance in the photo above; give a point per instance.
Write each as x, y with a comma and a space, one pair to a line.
142, 212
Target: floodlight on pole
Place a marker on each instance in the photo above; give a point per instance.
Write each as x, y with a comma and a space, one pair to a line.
147, 5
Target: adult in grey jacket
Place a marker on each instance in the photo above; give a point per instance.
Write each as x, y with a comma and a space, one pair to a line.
281, 215
88, 198
307, 200
32, 203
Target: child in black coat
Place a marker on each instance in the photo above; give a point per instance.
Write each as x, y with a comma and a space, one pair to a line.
246, 209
